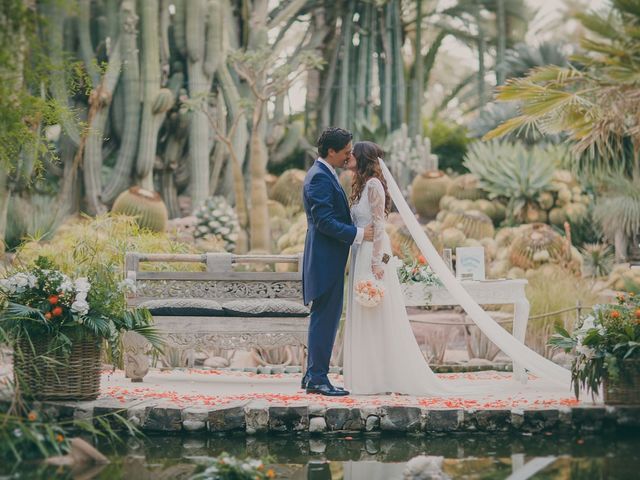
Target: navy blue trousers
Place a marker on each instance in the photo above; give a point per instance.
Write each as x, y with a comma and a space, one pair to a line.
323, 326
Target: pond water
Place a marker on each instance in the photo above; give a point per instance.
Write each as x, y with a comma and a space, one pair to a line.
466, 456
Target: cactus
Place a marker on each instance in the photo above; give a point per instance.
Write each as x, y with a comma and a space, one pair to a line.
402, 243
146, 206
288, 189
466, 187
452, 237
151, 83
545, 200
427, 190
473, 223
557, 216
446, 201
409, 155
576, 212
218, 219
535, 244
121, 175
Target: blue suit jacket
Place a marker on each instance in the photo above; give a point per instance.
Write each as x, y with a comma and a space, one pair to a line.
330, 232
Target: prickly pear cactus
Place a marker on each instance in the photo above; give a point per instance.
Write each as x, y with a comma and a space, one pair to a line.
217, 218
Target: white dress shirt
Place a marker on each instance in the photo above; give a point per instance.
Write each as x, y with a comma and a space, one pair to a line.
360, 233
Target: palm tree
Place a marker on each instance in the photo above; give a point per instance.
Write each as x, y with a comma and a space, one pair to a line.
596, 101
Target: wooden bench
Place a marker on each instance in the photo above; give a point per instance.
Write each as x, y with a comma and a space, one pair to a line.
220, 281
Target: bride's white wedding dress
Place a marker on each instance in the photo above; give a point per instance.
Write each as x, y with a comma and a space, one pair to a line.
381, 354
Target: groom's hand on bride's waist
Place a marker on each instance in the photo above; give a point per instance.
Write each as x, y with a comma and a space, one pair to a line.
368, 233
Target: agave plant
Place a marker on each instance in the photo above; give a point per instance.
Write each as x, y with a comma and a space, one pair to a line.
513, 172
598, 259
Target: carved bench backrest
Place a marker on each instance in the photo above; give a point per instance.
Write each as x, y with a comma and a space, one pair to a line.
219, 281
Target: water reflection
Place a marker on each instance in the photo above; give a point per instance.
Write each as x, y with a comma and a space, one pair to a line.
371, 458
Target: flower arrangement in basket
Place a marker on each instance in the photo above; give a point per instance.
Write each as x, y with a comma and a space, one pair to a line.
368, 292
57, 325
607, 350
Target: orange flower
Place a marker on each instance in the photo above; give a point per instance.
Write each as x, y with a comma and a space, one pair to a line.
59, 438
57, 311
33, 416
638, 313
422, 260
271, 473
615, 314
47, 315
53, 299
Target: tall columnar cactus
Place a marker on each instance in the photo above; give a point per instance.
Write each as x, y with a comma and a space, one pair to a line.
130, 83
99, 102
205, 52
155, 99
409, 155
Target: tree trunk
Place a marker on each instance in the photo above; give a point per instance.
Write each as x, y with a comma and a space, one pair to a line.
501, 18
415, 127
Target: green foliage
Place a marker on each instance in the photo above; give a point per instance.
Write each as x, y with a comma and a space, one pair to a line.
598, 259
560, 295
449, 142
607, 337
512, 172
619, 209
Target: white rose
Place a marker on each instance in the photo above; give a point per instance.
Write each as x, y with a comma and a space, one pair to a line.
82, 285
80, 306
66, 286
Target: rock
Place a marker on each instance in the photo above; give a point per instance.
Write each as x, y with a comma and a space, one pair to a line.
194, 425
216, 362
443, 420
80, 453
288, 419
256, 416
194, 419
424, 467
372, 423
400, 419
317, 446
539, 420
492, 420
343, 419
317, 425
163, 419
227, 419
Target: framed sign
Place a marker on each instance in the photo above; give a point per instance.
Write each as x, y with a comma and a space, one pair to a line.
470, 263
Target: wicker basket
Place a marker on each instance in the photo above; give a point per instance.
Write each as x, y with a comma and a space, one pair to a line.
51, 375
626, 389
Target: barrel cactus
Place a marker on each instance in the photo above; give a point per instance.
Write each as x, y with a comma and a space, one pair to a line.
452, 237
146, 206
288, 189
466, 187
426, 191
473, 223
218, 219
535, 244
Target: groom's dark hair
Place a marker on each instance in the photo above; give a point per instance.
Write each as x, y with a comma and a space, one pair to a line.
335, 138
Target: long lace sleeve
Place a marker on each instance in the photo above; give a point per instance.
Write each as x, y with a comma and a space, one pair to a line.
376, 197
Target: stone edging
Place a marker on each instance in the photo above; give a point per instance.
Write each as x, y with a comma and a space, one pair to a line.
256, 417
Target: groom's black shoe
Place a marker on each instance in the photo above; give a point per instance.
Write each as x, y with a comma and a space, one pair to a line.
324, 389
305, 382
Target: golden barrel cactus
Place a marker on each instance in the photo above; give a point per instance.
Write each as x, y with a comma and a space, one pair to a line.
288, 189
426, 191
473, 223
466, 187
146, 206
535, 244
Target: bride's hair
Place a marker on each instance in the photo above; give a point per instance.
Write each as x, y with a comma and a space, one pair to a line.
367, 166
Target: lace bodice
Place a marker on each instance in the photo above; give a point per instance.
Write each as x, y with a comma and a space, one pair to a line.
370, 209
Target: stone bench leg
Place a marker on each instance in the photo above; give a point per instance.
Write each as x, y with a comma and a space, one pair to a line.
136, 357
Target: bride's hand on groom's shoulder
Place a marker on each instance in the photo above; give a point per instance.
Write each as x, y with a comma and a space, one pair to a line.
378, 271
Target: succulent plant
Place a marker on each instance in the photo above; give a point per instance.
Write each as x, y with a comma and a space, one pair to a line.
402, 243
218, 219
466, 187
426, 191
473, 223
535, 244
513, 172
598, 259
146, 206
452, 237
288, 189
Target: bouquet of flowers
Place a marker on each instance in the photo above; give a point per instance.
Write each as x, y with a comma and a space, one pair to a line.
43, 301
368, 292
416, 270
604, 343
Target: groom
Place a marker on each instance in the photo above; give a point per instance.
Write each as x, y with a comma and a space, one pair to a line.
330, 233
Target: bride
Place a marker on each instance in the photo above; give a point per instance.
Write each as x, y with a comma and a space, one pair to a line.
381, 354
